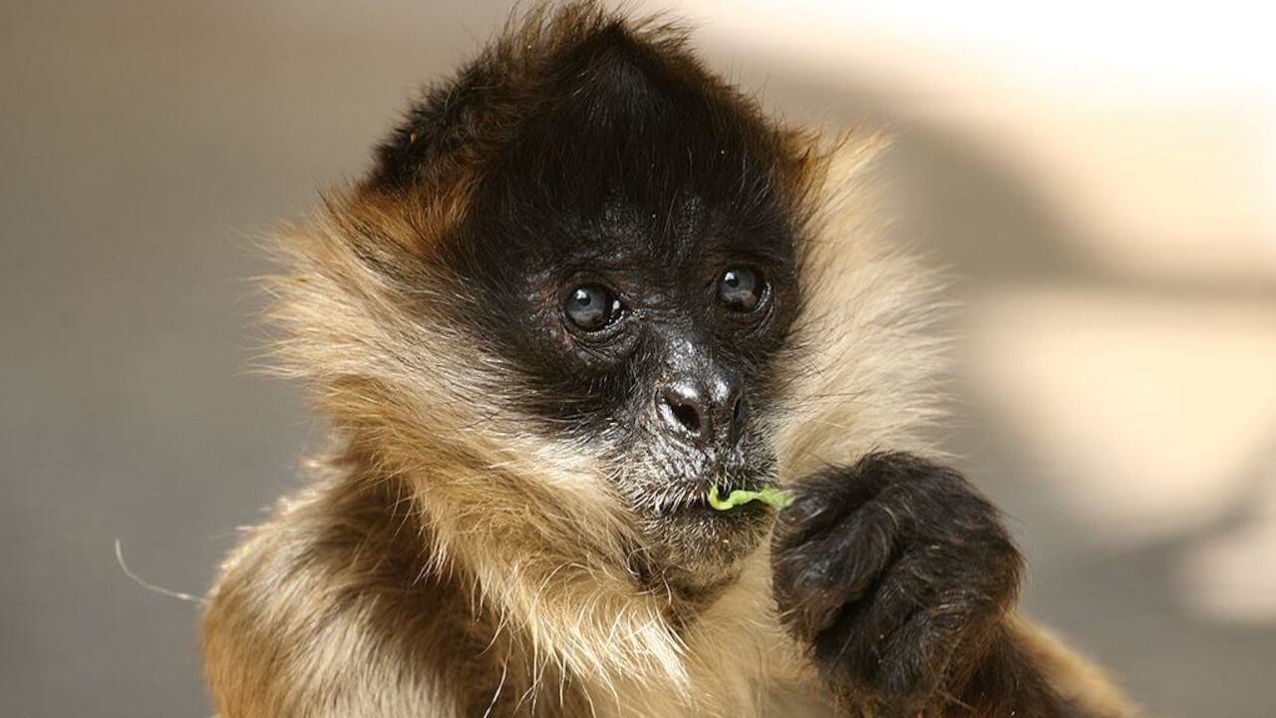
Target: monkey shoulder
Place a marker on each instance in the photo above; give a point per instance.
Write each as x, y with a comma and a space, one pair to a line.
336, 597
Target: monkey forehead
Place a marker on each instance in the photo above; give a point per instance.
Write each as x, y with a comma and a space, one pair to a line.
622, 121
626, 239
635, 153
577, 112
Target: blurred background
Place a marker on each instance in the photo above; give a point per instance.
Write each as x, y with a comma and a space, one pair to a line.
1099, 177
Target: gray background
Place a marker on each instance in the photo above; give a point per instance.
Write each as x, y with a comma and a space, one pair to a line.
143, 145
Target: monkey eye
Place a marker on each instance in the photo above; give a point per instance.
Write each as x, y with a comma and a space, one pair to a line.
591, 307
740, 289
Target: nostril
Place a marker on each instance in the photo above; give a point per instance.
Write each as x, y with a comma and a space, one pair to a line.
687, 416
737, 413
684, 408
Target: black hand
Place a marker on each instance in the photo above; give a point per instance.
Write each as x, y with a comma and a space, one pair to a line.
897, 574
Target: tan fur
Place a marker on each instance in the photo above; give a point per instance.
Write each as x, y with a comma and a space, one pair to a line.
1071, 675
448, 562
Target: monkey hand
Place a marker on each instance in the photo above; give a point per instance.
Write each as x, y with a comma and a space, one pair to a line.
897, 576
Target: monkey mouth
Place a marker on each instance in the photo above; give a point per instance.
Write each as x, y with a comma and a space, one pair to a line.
678, 490
692, 497
701, 507
691, 538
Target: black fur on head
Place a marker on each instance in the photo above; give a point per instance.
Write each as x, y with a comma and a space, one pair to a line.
597, 156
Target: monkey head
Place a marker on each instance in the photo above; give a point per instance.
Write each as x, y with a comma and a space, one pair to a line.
630, 251
605, 235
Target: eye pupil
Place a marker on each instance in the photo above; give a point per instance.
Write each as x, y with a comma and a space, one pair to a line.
591, 307
740, 289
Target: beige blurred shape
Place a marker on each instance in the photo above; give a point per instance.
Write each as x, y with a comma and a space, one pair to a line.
1233, 576
1148, 413
1160, 165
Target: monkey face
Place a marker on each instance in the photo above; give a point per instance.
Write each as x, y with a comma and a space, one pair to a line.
654, 356
630, 255
660, 366
613, 231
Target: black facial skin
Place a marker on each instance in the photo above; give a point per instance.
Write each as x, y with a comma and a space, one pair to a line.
635, 262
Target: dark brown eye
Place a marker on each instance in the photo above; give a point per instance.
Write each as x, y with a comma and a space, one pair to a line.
740, 289
591, 307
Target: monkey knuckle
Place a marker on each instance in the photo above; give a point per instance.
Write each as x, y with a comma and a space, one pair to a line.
815, 501
904, 680
811, 503
788, 578
808, 615
792, 522
895, 686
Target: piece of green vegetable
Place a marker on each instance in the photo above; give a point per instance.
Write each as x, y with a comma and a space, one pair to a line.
778, 498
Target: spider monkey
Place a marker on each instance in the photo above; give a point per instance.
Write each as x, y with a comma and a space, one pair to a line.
585, 282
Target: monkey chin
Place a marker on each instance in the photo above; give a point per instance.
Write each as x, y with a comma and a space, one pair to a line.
694, 547
698, 548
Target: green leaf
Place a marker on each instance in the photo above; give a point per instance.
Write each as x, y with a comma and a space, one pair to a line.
778, 498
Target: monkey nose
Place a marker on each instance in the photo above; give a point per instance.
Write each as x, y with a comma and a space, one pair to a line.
703, 412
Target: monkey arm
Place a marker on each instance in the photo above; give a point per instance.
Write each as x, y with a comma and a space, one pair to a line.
1025, 671
1033, 653
901, 581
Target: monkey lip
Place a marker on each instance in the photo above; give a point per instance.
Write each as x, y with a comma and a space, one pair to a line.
693, 497
684, 495
702, 506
